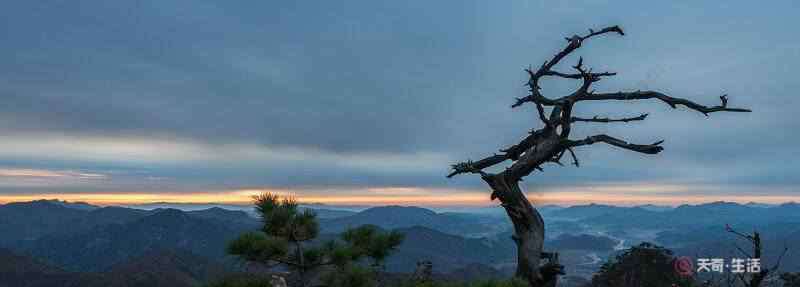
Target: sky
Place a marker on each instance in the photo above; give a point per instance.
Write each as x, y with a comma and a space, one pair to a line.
369, 102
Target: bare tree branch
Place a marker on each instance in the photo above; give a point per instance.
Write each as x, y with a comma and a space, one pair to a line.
653, 148
672, 102
577, 76
742, 251
780, 258
476, 166
511, 153
614, 29
574, 158
747, 237
596, 119
575, 42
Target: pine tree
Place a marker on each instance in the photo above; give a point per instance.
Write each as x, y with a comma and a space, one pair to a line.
286, 239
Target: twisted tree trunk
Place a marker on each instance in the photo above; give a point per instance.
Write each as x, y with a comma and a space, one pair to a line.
550, 143
528, 223
528, 226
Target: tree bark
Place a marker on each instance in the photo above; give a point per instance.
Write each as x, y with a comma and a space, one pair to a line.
528, 226
528, 223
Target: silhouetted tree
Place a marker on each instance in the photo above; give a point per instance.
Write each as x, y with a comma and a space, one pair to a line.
285, 239
754, 239
643, 265
549, 144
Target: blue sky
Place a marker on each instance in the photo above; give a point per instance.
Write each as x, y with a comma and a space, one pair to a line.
375, 99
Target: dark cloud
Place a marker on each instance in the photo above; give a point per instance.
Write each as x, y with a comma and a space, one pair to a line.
395, 79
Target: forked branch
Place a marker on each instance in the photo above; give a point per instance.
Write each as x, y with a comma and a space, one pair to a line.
511, 153
545, 69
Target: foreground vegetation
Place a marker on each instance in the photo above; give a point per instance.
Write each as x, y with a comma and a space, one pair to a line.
355, 259
288, 240
265, 282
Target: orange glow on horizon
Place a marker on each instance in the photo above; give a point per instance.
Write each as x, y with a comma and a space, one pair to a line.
397, 196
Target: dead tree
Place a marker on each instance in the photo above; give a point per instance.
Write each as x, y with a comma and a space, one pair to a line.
755, 240
549, 143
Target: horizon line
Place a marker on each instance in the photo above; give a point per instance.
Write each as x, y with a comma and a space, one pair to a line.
337, 203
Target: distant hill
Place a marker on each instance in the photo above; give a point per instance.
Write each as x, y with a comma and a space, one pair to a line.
714, 213
234, 218
114, 236
166, 267
447, 252
392, 217
653, 207
23, 271
76, 204
96, 246
31, 220
174, 268
322, 211
104, 246
583, 211
104, 216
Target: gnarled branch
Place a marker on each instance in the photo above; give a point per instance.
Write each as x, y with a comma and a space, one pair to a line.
653, 148
575, 42
596, 119
512, 153
578, 76
574, 157
671, 101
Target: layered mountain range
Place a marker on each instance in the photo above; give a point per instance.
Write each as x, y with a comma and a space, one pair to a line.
50, 240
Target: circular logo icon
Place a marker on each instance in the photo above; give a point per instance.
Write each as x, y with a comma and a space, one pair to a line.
683, 266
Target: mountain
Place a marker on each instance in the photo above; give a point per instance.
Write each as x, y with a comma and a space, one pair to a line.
322, 211
30, 220
76, 204
168, 267
173, 268
583, 211
104, 246
684, 216
392, 217
653, 207
447, 252
105, 216
634, 217
236, 218
120, 235
756, 204
24, 271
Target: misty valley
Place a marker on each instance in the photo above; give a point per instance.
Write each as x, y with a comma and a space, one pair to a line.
85, 244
